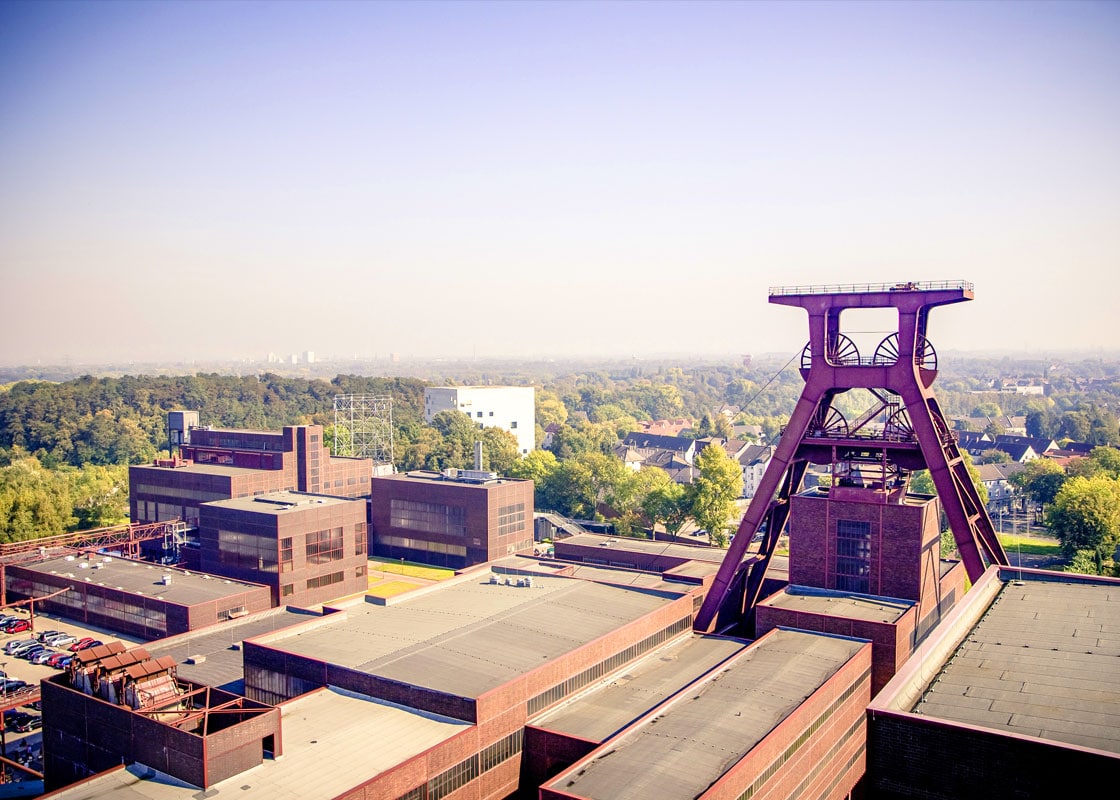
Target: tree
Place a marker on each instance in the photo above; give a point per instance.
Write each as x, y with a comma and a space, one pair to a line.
459, 435
1085, 515
714, 491
99, 495
1040, 480
666, 504
537, 466
993, 457
1108, 458
550, 408
34, 502
499, 450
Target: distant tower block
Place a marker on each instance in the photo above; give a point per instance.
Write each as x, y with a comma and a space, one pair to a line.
903, 431
363, 427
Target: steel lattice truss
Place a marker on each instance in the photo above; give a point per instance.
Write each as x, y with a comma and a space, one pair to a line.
363, 427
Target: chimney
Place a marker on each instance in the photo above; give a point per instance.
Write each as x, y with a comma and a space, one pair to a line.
478, 456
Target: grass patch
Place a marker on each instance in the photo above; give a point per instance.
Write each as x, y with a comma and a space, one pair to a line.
1031, 545
391, 588
411, 570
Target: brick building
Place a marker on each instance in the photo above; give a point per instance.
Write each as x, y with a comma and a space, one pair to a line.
454, 519
134, 598
221, 463
306, 548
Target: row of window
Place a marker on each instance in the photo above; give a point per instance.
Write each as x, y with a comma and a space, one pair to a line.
289, 589
134, 616
511, 519
422, 544
468, 769
267, 686
807, 734
428, 517
201, 495
319, 581
593, 673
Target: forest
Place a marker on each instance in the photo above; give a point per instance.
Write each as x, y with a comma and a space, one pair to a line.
65, 444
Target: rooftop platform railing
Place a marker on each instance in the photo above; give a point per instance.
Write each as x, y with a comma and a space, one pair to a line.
864, 288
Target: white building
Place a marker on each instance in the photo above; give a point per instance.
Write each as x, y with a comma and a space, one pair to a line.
512, 408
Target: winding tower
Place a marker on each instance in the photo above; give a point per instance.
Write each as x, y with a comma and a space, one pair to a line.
901, 432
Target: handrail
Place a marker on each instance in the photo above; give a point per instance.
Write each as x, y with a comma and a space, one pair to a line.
856, 288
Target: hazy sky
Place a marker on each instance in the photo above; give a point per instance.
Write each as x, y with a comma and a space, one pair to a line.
196, 180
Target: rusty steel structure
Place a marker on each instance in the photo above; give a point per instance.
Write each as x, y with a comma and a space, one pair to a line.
122, 539
903, 431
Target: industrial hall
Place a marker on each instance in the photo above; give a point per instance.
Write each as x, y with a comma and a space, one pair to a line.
858, 662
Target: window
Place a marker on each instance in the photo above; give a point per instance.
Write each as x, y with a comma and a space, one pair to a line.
286, 554
360, 539
513, 425
428, 517
511, 519
325, 580
246, 551
853, 555
287, 589
480, 414
324, 546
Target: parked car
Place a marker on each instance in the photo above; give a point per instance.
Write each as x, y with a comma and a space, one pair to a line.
42, 636
23, 647
59, 655
14, 719
14, 644
42, 656
28, 652
81, 644
18, 626
61, 640
11, 685
34, 705
33, 722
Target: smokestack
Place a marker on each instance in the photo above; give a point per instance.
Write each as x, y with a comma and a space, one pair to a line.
478, 455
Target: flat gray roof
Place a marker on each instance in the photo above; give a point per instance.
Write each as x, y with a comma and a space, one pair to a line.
219, 647
625, 696
701, 734
536, 565
648, 546
333, 740
187, 587
279, 502
467, 636
866, 608
1042, 662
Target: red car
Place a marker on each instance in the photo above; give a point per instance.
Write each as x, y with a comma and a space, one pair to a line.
81, 644
18, 626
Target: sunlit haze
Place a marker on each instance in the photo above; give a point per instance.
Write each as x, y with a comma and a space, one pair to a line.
222, 180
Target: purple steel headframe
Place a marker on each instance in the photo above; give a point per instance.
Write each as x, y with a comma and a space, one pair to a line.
904, 364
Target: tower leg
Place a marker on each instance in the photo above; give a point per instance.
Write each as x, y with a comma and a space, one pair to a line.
760, 507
